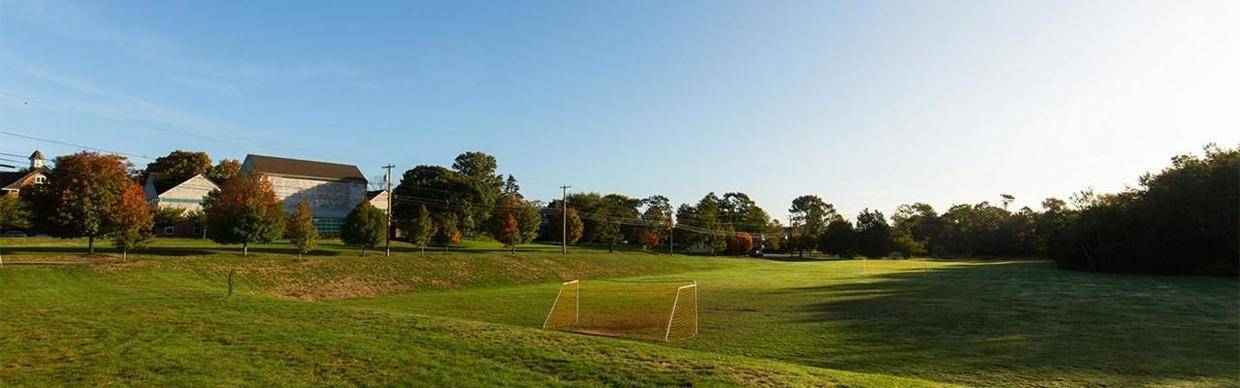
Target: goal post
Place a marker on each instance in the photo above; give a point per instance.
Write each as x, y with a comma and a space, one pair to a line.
657, 310
566, 309
683, 318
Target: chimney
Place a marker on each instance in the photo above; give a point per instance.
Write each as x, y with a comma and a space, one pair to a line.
36, 160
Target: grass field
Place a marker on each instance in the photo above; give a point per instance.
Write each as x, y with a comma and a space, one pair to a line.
471, 317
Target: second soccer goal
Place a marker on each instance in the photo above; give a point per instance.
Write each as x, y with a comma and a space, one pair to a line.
654, 310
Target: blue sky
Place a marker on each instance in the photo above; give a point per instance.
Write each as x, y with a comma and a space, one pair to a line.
867, 104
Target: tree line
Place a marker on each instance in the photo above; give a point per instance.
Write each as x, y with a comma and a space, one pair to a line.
1182, 220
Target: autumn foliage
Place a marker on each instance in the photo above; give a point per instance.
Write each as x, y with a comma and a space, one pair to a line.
740, 243
132, 220
649, 239
80, 195
508, 232
244, 210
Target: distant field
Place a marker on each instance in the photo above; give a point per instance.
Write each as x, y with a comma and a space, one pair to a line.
471, 316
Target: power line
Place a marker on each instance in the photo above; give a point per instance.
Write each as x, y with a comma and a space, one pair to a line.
144, 124
64, 143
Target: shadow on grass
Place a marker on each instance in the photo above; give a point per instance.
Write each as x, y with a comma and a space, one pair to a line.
1028, 322
801, 259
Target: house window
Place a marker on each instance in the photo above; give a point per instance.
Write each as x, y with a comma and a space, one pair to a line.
39, 179
168, 230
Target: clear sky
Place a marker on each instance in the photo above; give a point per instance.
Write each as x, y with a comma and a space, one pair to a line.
866, 104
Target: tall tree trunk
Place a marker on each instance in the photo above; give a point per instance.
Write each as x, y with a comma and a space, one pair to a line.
90, 245
423, 247
363, 250
124, 254
245, 249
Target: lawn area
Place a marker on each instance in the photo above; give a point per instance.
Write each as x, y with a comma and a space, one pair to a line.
1009, 323
471, 317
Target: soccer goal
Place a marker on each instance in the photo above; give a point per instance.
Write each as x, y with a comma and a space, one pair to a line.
654, 310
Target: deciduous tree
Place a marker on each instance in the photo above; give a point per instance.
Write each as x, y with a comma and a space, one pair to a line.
224, 170
507, 231
299, 229
79, 195
873, 234
13, 213
575, 227
132, 223
810, 216
181, 164
244, 210
740, 243
364, 227
839, 238
421, 229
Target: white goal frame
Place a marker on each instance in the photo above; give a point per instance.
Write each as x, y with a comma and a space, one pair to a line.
667, 336
682, 296
576, 301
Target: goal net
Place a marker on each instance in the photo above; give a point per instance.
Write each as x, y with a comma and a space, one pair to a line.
653, 310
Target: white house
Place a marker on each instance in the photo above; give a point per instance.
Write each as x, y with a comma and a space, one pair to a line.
178, 192
330, 189
378, 198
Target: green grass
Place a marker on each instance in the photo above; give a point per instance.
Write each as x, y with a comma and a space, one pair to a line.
471, 317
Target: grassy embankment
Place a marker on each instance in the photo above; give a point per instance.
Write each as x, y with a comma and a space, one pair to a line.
338, 317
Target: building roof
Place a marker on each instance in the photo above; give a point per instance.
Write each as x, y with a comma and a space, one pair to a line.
14, 178
165, 182
373, 193
304, 168
36, 155
8, 177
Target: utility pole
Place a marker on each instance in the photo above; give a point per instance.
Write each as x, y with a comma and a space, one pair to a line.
387, 237
564, 219
671, 237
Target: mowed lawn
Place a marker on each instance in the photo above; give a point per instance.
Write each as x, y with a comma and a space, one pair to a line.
471, 317
985, 323
159, 320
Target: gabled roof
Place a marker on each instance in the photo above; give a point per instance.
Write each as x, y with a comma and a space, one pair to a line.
12, 180
165, 182
373, 193
303, 168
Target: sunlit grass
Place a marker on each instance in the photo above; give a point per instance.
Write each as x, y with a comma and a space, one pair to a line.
471, 316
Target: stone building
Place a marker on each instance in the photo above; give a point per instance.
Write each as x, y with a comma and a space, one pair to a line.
330, 189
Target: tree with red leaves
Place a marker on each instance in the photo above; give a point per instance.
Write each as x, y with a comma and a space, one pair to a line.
508, 232
740, 243
649, 239
79, 196
132, 221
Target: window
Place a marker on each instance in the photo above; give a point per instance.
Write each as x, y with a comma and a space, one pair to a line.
328, 226
168, 230
40, 179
